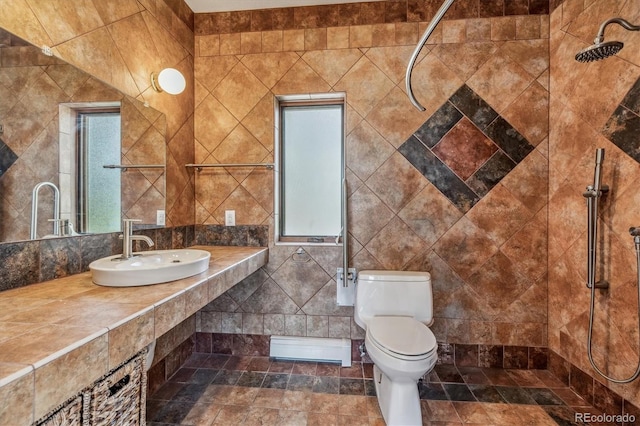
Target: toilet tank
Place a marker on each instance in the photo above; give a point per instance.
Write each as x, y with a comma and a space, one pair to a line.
393, 293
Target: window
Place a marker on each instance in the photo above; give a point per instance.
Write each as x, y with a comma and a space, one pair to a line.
309, 168
98, 189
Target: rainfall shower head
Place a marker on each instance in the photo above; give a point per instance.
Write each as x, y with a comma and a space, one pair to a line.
598, 51
601, 49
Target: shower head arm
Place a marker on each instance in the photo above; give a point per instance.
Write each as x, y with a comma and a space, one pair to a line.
620, 21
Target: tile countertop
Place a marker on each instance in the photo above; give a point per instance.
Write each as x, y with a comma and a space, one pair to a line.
59, 336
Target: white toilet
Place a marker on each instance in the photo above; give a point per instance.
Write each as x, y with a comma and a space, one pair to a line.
396, 308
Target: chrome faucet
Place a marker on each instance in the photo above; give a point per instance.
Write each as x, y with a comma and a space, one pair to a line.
65, 227
127, 238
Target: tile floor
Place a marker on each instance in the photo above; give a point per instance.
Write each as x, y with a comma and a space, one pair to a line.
227, 390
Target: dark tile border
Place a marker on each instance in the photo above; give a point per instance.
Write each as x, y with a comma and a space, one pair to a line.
458, 354
589, 388
367, 13
30, 262
493, 356
242, 235
162, 370
240, 364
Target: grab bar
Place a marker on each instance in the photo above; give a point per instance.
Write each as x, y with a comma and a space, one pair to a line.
427, 33
34, 209
343, 231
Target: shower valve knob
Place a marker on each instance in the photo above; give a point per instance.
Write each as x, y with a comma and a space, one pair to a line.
634, 231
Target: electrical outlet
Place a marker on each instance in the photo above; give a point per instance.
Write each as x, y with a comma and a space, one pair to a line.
160, 217
230, 218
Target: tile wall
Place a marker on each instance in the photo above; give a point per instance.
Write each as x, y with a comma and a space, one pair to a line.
425, 189
121, 46
594, 106
490, 276
38, 137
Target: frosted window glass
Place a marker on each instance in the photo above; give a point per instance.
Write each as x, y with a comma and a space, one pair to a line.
312, 170
103, 185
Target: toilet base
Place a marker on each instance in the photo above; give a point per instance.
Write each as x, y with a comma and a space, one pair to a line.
399, 401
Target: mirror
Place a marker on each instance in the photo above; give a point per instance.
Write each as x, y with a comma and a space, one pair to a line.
60, 127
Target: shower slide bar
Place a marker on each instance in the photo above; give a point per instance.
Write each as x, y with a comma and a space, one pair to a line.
423, 40
592, 194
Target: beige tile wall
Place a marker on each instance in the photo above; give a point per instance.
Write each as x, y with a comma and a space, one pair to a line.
398, 219
121, 46
583, 97
42, 135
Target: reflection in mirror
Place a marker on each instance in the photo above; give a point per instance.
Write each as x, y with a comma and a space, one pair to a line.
61, 126
98, 203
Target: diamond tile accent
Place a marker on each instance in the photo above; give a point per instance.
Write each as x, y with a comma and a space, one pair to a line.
465, 148
7, 157
492, 172
439, 174
624, 124
512, 143
438, 125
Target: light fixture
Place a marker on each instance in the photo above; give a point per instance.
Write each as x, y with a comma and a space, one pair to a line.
168, 80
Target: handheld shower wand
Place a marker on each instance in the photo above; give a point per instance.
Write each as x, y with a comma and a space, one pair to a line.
597, 175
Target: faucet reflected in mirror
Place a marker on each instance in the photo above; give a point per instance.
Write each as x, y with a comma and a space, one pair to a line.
42, 98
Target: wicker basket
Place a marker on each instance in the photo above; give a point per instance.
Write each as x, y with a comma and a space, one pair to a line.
70, 414
120, 397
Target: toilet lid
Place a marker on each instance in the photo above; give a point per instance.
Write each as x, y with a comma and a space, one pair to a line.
401, 335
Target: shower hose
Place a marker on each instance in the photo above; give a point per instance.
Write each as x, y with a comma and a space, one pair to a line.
592, 195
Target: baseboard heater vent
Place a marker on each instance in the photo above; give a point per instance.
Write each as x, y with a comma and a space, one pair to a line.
311, 349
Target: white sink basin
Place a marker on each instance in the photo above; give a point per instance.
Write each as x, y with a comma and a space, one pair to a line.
149, 267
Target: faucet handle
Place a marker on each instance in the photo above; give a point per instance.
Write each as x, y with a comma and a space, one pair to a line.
127, 225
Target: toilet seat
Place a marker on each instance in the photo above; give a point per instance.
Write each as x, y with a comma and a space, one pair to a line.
402, 337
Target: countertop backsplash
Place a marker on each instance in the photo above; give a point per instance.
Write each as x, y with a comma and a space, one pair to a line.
29, 262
